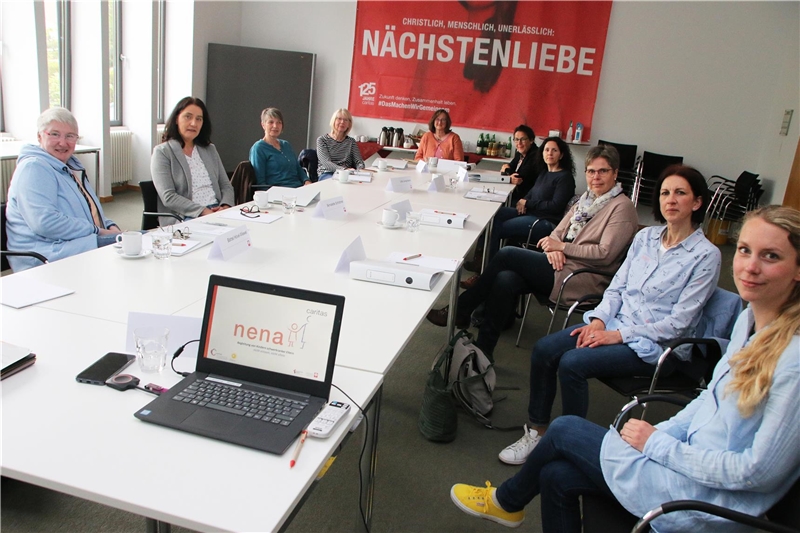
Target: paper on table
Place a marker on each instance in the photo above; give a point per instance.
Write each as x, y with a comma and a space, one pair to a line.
259, 218
184, 246
305, 195
21, 292
428, 261
397, 164
478, 193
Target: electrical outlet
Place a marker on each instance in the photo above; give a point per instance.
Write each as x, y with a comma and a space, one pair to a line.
787, 119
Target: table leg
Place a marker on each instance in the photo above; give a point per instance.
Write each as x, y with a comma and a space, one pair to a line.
157, 526
487, 235
455, 282
369, 461
97, 173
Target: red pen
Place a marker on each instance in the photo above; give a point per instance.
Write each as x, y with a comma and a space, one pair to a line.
299, 447
445, 213
179, 244
412, 257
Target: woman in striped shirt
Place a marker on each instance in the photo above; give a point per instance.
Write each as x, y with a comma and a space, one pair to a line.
335, 150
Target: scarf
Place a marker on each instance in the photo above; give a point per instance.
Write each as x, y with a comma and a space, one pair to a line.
589, 204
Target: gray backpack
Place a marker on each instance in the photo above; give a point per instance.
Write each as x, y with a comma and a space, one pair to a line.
472, 378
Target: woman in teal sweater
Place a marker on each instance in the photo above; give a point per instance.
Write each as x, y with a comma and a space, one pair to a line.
273, 159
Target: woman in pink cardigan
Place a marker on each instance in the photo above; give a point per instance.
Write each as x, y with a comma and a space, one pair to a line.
440, 141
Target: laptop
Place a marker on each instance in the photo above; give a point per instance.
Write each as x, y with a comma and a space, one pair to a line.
264, 365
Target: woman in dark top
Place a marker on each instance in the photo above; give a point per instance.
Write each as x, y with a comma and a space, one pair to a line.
546, 201
524, 168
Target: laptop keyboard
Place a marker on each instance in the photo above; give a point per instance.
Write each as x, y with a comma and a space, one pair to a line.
247, 403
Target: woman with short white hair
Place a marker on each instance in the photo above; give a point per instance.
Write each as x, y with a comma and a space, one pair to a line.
335, 150
52, 208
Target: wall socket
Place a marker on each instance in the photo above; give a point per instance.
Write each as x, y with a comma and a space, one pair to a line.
787, 119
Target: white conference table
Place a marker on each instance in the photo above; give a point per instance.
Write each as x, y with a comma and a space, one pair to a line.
298, 250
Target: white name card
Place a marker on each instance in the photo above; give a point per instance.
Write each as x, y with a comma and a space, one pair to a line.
354, 252
422, 166
331, 208
400, 184
437, 184
230, 244
402, 208
463, 174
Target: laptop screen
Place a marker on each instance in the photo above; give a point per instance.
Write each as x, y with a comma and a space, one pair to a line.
266, 331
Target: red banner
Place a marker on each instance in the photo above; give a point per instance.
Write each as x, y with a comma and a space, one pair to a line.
492, 65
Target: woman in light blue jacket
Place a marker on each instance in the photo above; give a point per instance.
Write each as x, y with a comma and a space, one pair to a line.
735, 445
52, 208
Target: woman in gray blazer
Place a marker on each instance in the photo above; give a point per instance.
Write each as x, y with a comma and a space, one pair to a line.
187, 171
595, 233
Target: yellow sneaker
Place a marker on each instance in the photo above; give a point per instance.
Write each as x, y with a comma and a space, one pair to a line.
479, 501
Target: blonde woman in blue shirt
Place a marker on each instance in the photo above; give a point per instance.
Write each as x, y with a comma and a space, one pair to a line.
735, 445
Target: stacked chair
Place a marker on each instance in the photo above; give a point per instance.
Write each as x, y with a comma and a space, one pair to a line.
730, 200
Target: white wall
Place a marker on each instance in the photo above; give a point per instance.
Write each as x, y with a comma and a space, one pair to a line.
214, 22
706, 80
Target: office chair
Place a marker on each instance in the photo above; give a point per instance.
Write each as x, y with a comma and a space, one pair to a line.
627, 164
731, 200
309, 161
5, 253
688, 378
602, 514
649, 169
150, 214
244, 183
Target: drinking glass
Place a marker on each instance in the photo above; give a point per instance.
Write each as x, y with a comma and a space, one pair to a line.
162, 244
412, 221
151, 348
289, 203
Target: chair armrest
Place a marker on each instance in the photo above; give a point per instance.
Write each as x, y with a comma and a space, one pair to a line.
723, 512
711, 345
257, 187
157, 214
9, 253
680, 401
577, 273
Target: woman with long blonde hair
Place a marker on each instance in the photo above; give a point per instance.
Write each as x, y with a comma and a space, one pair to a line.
735, 445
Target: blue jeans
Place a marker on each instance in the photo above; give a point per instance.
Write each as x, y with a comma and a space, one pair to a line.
564, 465
513, 271
556, 354
507, 223
325, 176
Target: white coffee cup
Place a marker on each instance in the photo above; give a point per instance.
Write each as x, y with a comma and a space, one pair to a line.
382, 164
343, 175
262, 199
390, 217
131, 242
433, 162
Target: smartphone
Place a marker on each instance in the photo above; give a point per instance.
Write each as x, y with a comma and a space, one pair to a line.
109, 365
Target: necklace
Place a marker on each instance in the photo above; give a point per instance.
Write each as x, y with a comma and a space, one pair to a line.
668, 245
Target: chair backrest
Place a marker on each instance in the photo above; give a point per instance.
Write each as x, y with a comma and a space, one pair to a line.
627, 154
745, 183
787, 510
150, 200
308, 160
242, 180
3, 239
653, 164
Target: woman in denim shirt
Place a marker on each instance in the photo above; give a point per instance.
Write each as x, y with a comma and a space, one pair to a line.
735, 445
657, 295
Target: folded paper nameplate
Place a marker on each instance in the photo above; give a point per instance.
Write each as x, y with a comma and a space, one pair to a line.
353, 252
463, 175
422, 166
446, 219
413, 277
437, 184
447, 165
331, 208
397, 164
402, 208
400, 184
230, 244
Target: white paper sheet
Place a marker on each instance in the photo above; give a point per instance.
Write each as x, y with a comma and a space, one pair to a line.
20, 292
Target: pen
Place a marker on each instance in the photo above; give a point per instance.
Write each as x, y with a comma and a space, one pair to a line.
178, 244
412, 257
299, 447
445, 213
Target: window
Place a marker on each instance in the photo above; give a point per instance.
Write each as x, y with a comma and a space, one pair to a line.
115, 62
56, 18
2, 114
160, 59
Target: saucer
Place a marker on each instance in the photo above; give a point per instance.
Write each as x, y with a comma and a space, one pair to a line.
143, 253
117, 245
396, 226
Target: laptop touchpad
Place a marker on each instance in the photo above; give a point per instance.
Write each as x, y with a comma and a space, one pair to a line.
211, 421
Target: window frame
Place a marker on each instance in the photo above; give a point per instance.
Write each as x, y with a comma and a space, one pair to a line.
115, 98
63, 23
161, 61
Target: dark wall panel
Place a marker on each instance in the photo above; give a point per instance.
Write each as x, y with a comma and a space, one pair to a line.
241, 82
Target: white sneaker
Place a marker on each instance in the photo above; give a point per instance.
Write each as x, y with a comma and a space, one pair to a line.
520, 450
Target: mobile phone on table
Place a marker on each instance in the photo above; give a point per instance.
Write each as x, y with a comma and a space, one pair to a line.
107, 366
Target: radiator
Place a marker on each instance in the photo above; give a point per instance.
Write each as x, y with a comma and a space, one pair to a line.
7, 167
121, 157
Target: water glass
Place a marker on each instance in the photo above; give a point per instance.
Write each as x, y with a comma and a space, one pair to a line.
453, 182
162, 244
151, 348
412, 221
289, 203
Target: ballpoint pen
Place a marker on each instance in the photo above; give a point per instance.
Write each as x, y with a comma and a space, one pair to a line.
412, 257
299, 447
445, 213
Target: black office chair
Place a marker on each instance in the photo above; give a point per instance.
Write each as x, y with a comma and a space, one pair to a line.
731, 200
602, 514
688, 378
150, 214
309, 161
627, 164
5, 253
649, 169
244, 183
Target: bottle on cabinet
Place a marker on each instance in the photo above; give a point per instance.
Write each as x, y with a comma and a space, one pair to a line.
578, 133
568, 138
